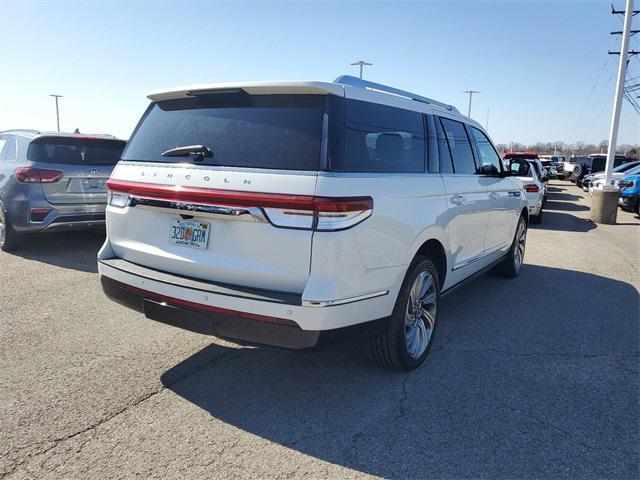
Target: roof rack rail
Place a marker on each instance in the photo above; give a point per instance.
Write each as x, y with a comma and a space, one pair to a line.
359, 83
26, 130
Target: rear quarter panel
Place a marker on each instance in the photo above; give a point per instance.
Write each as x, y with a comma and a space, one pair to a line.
408, 210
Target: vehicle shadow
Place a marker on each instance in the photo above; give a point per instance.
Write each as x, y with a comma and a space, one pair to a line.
564, 196
559, 221
74, 250
564, 206
511, 388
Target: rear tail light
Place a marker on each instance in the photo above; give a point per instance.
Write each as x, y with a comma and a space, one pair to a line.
531, 187
282, 210
37, 175
323, 214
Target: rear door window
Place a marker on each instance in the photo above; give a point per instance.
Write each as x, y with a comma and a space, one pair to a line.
459, 146
489, 158
241, 130
8, 150
76, 150
377, 138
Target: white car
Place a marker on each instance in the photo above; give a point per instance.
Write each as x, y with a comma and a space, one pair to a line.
527, 172
596, 180
272, 212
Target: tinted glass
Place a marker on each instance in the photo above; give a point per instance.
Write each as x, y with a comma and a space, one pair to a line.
258, 131
377, 138
459, 146
446, 165
489, 158
75, 151
625, 166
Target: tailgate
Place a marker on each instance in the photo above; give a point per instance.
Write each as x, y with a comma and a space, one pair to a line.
78, 185
84, 164
234, 245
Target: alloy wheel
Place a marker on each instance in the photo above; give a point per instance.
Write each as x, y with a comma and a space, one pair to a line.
420, 314
521, 242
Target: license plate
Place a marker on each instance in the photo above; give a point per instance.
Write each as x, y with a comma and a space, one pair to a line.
189, 234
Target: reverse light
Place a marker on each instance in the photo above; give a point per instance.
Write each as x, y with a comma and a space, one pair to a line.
37, 175
531, 188
117, 199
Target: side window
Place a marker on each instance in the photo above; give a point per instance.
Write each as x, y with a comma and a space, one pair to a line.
459, 146
379, 138
446, 165
489, 158
8, 151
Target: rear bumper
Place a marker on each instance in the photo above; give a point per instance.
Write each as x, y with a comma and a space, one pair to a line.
207, 321
59, 218
257, 316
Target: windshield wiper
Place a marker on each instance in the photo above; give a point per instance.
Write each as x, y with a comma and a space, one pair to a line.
197, 152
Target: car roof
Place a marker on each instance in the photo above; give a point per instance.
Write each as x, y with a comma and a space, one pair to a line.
33, 134
341, 86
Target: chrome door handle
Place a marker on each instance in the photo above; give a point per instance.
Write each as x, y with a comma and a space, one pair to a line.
457, 199
494, 196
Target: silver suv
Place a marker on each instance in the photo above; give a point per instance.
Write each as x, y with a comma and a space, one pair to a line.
53, 181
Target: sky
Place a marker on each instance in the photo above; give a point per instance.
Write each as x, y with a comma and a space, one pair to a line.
542, 68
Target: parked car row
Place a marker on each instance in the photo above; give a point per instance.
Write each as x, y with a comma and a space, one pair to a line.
530, 170
277, 212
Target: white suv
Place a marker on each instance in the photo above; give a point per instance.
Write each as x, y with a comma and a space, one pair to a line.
272, 212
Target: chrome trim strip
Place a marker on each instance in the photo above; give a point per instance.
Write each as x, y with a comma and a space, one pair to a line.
479, 257
331, 303
247, 214
216, 168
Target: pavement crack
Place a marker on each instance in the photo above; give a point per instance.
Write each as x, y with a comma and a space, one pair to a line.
139, 400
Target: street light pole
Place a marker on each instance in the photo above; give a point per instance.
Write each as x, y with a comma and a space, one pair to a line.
361, 63
57, 110
470, 92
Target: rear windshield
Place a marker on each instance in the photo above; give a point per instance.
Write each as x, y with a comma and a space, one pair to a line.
75, 151
240, 130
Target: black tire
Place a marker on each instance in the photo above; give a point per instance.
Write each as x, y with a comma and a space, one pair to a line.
510, 268
389, 347
10, 240
537, 219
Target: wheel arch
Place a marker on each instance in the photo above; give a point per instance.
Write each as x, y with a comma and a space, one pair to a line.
434, 250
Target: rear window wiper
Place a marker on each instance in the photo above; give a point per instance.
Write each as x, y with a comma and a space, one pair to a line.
197, 152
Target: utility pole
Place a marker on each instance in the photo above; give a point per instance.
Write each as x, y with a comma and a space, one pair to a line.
604, 207
470, 92
57, 110
486, 126
617, 103
361, 63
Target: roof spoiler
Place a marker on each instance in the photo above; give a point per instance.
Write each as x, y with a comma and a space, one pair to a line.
378, 87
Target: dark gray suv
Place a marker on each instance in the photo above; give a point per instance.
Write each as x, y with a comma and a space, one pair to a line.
53, 181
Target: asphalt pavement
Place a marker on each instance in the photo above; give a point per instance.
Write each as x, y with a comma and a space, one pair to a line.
535, 377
